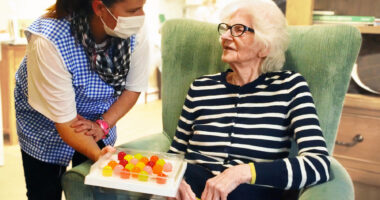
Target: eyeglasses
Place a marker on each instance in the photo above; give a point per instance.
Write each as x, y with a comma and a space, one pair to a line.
236, 29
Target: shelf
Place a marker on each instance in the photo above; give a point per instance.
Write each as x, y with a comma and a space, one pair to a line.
358, 103
364, 29
369, 29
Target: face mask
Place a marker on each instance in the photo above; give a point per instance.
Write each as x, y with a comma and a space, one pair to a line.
125, 26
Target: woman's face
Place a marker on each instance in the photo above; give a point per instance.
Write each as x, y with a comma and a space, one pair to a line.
243, 48
123, 8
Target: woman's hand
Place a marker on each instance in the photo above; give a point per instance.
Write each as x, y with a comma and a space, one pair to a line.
184, 192
107, 149
221, 185
89, 128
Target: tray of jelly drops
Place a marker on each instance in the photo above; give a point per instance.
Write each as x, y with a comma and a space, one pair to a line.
155, 173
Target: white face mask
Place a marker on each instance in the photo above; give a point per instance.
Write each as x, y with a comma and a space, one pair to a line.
125, 26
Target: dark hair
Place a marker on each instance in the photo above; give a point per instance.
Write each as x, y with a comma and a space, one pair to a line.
62, 8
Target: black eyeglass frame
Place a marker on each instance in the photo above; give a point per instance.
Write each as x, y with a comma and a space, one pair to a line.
246, 28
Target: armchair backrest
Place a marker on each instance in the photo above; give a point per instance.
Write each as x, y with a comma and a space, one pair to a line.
324, 55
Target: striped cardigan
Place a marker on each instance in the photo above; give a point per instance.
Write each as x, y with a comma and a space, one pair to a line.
223, 125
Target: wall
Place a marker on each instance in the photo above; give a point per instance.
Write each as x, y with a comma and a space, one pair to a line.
171, 8
25, 9
1, 136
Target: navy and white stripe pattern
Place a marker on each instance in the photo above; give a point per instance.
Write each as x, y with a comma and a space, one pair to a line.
222, 125
38, 136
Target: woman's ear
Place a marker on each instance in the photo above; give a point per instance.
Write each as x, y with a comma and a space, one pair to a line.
97, 7
264, 52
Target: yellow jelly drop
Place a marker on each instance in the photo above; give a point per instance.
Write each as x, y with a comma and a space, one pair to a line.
143, 176
128, 157
138, 156
107, 171
160, 162
140, 165
129, 166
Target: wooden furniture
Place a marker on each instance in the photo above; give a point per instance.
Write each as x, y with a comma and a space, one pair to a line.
299, 12
360, 119
11, 58
369, 29
360, 116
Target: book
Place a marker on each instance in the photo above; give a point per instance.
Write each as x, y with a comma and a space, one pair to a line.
323, 12
349, 23
344, 18
377, 22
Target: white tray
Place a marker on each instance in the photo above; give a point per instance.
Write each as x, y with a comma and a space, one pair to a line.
168, 189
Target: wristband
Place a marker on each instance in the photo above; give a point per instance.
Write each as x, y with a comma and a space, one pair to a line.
253, 172
104, 126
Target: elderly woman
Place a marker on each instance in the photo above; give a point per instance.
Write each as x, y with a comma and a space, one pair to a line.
236, 126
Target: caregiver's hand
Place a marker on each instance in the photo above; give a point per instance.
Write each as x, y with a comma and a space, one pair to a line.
107, 149
88, 127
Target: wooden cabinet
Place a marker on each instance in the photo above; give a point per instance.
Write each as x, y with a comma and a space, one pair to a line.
11, 58
300, 12
361, 113
360, 116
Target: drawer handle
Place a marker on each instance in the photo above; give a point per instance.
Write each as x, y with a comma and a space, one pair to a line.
357, 139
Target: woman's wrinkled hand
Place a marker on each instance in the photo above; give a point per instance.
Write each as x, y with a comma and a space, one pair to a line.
89, 128
221, 185
184, 192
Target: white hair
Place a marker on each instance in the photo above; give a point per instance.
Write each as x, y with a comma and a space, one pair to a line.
270, 28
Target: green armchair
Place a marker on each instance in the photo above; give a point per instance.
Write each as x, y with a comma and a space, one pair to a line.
324, 55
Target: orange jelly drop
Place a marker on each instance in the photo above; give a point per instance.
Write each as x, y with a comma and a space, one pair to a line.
161, 179
125, 174
154, 158
144, 160
112, 164
157, 169
135, 172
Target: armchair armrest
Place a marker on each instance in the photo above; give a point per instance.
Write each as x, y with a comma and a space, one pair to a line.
340, 186
157, 142
73, 180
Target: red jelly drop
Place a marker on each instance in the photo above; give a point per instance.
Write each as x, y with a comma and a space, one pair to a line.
121, 155
123, 162
150, 163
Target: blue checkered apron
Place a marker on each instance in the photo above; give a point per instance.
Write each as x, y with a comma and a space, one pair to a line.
38, 136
